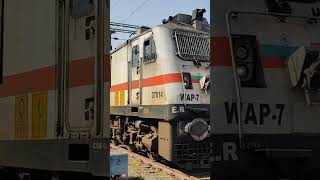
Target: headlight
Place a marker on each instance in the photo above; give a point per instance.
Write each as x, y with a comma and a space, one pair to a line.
242, 52
198, 129
243, 71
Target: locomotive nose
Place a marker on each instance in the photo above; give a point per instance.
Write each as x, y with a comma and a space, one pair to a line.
198, 129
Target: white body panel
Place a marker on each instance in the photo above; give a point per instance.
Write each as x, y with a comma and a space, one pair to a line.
160, 82
29, 35
54, 88
30, 67
276, 40
29, 45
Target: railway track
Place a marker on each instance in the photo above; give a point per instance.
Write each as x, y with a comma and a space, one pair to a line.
144, 168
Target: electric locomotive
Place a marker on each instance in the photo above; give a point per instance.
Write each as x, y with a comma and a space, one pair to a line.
54, 89
160, 91
265, 101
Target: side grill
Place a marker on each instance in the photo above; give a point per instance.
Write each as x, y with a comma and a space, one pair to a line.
192, 46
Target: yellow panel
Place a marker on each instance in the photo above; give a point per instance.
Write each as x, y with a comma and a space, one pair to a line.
21, 117
39, 115
122, 98
116, 99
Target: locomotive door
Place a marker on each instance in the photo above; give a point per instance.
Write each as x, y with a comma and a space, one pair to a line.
135, 79
83, 62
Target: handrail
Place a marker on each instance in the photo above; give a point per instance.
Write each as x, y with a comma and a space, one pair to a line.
236, 79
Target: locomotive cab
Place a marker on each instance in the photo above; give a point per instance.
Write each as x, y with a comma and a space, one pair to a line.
160, 91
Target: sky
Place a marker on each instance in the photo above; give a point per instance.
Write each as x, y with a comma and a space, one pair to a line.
150, 12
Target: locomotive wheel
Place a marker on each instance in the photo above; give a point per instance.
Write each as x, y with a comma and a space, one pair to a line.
130, 148
153, 156
115, 142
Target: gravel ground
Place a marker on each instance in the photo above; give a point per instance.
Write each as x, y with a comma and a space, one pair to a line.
140, 171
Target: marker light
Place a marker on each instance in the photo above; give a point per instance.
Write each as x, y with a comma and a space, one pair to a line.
243, 71
242, 52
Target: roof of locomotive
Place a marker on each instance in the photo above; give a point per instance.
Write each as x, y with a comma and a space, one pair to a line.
169, 25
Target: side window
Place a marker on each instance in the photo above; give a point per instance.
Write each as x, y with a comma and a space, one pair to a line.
135, 56
149, 51
1, 39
